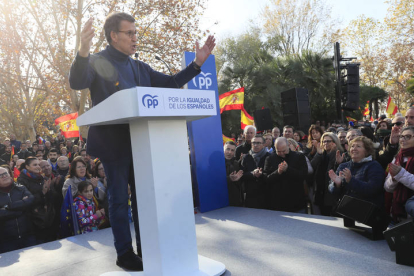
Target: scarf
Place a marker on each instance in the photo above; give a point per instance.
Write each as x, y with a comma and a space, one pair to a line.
402, 193
37, 176
258, 155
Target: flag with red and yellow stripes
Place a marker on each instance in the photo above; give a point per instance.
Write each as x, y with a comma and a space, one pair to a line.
246, 119
391, 107
67, 125
232, 100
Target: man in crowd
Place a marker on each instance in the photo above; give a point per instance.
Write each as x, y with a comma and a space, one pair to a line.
275, 133
286, 172
398, 122
6, 157
288, 131
15, 143
234, 174
39, 155
409, 117
112, 143
249, 133
255, 183
23, 153
268, 142
342, 139
34, 149
52, 159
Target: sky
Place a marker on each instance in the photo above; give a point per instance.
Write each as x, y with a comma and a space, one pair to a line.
231, 17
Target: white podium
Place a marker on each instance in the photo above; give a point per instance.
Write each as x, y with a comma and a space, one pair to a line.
157, 118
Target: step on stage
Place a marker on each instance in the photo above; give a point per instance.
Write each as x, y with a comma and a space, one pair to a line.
247, 241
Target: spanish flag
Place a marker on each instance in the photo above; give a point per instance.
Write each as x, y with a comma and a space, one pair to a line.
246, 119
232, 100
67, 125
391, 107
349, 119
226, 139
366, 110
16, 174
12, 153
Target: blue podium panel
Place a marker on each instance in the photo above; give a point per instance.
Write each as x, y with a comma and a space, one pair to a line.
206, 145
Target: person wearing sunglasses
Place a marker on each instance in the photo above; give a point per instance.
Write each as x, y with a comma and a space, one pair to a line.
398, 122
400, 180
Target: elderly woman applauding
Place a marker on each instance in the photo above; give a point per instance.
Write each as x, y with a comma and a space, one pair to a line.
362, 177
400, 180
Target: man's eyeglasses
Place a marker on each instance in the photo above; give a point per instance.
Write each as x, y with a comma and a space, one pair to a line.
131, 34
397, 124
406, 137
5, 174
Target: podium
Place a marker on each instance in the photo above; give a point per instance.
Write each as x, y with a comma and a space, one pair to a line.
157, 119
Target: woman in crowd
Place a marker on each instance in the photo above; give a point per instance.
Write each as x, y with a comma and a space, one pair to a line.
15, 226
322, 162
77, 174
382, 130
42, 211
297, 136
314, 139
100, 191
400, 180
89, 216
362, 177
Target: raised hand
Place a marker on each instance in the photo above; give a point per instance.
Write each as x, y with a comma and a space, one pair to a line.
339, 157
335, 178
86, 36
203, 52
395, 135
94, 181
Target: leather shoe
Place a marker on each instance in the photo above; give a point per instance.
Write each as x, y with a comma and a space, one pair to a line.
130, 261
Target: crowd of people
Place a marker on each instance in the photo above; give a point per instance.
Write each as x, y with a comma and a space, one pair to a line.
310, 173
34, 179
284, 170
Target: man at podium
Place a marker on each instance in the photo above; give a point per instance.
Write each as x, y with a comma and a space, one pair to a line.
105, 73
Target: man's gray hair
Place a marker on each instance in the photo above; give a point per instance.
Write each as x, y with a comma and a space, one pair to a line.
249, 126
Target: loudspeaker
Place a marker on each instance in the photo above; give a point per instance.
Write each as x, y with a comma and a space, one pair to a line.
296, 109
262, 119
352, 87
401, 240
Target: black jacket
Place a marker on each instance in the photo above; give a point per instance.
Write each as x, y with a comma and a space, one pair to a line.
286, 191
234, 187
14, 222
242, 149
255, 187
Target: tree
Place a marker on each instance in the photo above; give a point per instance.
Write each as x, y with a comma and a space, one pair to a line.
300, 25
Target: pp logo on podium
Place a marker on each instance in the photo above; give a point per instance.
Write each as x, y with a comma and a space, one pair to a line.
203, 80
149, 101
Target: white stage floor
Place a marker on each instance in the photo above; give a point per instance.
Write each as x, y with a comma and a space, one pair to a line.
248, 242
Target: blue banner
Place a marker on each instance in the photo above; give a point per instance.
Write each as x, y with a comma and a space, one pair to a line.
208, 167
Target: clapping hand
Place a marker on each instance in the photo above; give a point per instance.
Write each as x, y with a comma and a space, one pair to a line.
339, 157
257, 172
282, 167
235, 176
335, 178
394, 169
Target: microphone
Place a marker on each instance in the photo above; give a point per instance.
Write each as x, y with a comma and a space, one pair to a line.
168, 67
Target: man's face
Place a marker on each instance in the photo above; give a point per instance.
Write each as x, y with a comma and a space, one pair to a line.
12, 137
8, 149
53, 156
28, 144
398, 123
342, 138
41, 147
6, 143
409, 117
257, 144
5, 178
23, 147
351, 135
68, 143
288, 133
229, 151
15, 158
125, 40
275, 133
47, 144
35, 147
63, 162
268, 141
83, 155
249, 134
282, 149
46, 168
